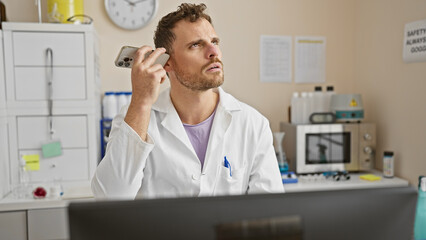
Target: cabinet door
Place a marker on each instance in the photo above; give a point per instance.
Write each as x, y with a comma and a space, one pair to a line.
72, 165
29, 48
35, 131
68, 83
4, 158
13, 225
48, 224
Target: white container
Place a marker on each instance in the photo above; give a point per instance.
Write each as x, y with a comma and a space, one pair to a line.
310, 108
327, 98
305, 108
109, 105
388, 164
128, 96
318, 100
295, 108
121, 100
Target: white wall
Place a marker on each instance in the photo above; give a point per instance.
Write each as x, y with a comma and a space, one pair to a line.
394, 91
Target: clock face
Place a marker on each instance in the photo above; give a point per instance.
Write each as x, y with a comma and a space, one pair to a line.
131, 14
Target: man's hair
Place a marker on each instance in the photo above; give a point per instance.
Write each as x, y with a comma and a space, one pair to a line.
164, 35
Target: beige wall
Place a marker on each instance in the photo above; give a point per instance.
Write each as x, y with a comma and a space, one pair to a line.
364, 42
393, 91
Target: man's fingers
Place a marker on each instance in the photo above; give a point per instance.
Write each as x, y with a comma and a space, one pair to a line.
153, 56
140, 54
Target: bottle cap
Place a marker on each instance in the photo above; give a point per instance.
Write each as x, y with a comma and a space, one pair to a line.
318, 88
109, 93
304, 94
330, 88
295, 94
388, 154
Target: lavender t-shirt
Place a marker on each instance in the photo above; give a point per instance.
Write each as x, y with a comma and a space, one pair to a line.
199, 136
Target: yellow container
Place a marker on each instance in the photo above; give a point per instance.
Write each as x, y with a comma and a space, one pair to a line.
58, 11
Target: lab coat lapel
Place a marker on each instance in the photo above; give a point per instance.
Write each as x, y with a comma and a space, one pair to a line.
172, 121
174, 125
221, 124
215, 149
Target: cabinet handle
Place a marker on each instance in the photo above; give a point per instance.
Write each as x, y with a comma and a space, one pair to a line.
49, 76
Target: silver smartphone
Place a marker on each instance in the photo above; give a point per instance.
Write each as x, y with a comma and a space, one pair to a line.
125, 57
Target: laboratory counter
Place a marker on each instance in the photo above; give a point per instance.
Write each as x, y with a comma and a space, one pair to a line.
318, 182
48, 218
305, 183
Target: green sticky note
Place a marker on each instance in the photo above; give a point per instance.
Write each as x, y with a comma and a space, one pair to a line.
32, 162
51, 149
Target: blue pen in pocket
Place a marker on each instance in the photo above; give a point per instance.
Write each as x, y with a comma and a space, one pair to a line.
227, 165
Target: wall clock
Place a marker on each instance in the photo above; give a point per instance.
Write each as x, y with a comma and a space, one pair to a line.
131, 14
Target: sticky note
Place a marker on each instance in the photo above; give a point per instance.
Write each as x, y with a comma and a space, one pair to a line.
51, 149
370, 177
32, 162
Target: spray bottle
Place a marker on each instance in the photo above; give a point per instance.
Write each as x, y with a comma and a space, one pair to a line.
420, 222
282, 159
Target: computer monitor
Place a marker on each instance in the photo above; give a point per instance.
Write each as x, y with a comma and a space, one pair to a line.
385, 213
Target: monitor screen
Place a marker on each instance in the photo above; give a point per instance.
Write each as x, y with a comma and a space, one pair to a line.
385, 213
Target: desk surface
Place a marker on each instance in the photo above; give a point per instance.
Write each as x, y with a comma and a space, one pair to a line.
308, 184
9, 203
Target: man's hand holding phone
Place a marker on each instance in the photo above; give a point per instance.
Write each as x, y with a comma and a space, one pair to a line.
147, 75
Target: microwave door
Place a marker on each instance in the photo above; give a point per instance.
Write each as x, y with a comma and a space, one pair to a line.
327, 148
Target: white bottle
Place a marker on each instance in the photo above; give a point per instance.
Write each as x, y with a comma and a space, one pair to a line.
311, 106
304, 108
109, 105
121, 100
128, 96
317, 100
327, 98
295, 108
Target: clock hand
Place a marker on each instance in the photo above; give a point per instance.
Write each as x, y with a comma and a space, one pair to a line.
130, 3
139, 1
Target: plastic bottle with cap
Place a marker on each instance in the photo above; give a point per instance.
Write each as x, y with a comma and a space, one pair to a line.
317, 100
327, 98
121, 100
310, 107
295, 108
128, 96
109, 105
304, 108
420, 220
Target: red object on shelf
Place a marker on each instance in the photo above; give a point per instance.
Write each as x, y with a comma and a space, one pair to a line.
39, 192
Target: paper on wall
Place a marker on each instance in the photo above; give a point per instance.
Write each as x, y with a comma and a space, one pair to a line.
414, 48
275, 58
310, 59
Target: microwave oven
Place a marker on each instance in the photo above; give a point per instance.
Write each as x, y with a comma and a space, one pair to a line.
314, 148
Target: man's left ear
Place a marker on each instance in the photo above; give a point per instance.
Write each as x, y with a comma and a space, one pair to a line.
167, 66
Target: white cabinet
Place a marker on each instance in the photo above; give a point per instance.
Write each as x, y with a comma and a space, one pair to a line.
13, 225
52, 91
4, 147
67, 47
35, 224
44, 224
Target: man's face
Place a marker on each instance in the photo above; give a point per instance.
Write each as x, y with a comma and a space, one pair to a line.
195, 60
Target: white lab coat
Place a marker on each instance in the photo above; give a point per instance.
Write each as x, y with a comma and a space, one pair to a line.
167, 165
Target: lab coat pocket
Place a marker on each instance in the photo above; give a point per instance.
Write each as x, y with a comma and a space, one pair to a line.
230, 181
